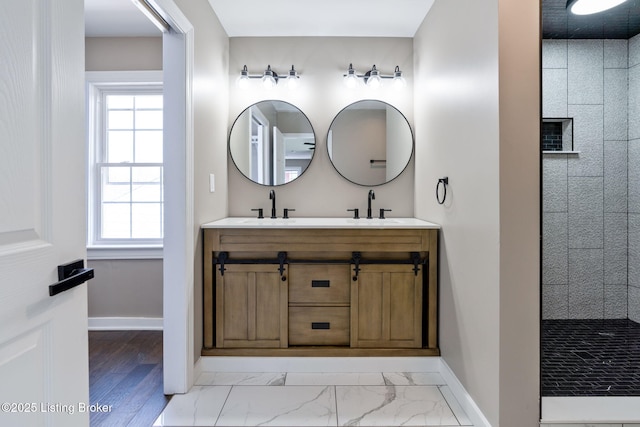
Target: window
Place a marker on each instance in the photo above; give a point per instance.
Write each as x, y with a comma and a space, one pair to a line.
125, 165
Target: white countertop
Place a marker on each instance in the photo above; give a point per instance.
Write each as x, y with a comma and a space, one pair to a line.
242, 222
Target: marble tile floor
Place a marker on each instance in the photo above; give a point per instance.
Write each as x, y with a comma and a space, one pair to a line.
309, 399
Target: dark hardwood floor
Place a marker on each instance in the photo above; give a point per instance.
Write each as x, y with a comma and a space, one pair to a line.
125, 372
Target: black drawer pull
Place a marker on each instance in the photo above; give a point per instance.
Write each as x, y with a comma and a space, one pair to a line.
320, 283
320, 325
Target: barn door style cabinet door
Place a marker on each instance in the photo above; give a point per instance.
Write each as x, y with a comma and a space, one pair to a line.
251, 307
386, 307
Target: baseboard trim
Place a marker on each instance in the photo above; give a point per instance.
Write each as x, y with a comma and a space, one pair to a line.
590, 409
125, 323
317, 364
464, 399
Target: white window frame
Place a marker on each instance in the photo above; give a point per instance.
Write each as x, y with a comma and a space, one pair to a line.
97, 83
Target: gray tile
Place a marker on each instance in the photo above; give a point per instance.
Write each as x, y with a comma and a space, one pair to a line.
615, 301
555, 255
554, 183
615, 249
634, 101
634, 249
555, 302
634, 51
554, 93
616, 54
586, 221
615, 104
543, 424
615, 176
586, 291
554, 54
586, 67
634, 304
588, 138
634, 176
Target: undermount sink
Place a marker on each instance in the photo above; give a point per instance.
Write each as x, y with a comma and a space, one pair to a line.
333, 222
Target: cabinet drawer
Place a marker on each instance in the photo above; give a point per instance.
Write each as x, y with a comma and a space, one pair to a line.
319, 283
319, 326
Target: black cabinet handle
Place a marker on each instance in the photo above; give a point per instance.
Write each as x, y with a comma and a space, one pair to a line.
69, 276
320, 325
321, 283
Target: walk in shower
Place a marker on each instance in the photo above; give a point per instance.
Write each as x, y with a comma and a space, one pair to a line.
590, 202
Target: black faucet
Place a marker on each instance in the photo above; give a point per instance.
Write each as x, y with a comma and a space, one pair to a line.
372, 196
272, 196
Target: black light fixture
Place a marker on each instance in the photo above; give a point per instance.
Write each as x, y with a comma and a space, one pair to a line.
373, 78
588, 7
269, 78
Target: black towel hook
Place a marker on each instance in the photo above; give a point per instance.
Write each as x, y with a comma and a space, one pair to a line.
444, 181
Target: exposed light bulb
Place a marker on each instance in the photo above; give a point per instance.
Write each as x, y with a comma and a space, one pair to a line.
398, 81
292, 79
587, 7
351, 78
243, 78
374, 80
268, 79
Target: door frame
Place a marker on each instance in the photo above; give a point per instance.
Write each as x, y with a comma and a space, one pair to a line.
179, 231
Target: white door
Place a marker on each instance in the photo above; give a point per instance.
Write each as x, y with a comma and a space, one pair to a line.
43, 339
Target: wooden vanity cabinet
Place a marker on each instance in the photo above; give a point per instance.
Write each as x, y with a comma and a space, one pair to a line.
315, 292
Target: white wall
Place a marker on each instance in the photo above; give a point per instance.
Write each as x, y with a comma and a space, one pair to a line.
321, 62
477, 114
210, 106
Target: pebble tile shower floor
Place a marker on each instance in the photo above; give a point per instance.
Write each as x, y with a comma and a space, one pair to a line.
590, 358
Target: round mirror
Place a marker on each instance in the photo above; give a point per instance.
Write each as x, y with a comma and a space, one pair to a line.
370, 142
272, 142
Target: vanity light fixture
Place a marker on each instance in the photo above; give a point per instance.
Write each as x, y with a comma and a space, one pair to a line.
587, 7
373, 78
269, 78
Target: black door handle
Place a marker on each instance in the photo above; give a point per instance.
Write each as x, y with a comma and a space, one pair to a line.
69, 276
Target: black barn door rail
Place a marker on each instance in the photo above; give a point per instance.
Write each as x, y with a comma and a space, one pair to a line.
356, 259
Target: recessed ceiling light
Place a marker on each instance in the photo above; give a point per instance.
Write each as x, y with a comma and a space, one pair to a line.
587, 7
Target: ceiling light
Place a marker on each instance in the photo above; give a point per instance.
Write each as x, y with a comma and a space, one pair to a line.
587, 7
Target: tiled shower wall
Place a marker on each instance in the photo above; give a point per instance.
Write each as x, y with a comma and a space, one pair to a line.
587, 223
634, 178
